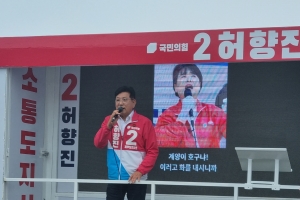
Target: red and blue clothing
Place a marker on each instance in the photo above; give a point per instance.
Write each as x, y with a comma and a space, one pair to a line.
134, 149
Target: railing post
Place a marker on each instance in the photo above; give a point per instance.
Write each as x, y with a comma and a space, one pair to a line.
249, 172
236, 193
249, 175
153, 191
276, 175
276, 172
75, 190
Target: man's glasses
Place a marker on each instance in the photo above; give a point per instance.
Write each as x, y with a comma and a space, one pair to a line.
124, 100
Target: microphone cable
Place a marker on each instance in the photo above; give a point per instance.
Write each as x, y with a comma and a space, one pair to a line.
191, 114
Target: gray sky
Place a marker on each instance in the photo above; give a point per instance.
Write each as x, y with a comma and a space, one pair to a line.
57, 17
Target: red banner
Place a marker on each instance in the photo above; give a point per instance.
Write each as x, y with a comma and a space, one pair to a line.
231, 45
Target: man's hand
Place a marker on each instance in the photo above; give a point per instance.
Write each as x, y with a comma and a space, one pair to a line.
111, 123
135, 176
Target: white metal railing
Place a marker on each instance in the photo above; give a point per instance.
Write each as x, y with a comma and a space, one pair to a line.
154, 183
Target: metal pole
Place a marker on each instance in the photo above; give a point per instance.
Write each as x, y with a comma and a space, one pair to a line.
153, 191
75, 190
249, 172
236, 193
276, 173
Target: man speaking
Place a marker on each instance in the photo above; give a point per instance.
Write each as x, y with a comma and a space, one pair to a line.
131, 147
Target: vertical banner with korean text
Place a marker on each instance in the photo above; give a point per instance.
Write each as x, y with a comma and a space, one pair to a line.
68, 127
26, 132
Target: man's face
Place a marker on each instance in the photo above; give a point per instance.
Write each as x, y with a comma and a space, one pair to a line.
123, 100
187, 80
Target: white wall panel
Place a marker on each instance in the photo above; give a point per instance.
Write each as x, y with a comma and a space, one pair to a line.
3, 110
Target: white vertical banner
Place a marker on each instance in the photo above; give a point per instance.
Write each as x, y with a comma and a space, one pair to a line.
68, 127
26, 132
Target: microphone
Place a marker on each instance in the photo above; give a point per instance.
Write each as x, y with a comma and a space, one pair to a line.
191, 114
120, 109
187, 92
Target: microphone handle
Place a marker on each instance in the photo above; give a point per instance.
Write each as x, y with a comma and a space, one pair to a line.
193, 125
120, 109
114, 118
191, 113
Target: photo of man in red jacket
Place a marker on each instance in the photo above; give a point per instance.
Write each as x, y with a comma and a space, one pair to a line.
131, 146
190, 123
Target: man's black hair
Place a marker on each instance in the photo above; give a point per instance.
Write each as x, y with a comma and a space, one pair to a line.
128, 89
194, 69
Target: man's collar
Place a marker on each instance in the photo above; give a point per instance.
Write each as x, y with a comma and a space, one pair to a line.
129, 117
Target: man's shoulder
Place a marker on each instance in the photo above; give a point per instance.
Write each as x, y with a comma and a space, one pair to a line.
174, 107
140, 117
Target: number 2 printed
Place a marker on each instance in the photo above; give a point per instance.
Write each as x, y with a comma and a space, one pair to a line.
67, 93
130, 140
199, 54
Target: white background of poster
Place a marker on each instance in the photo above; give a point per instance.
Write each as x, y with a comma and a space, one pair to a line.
26, 18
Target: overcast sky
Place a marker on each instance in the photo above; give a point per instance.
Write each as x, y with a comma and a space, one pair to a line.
57, 17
